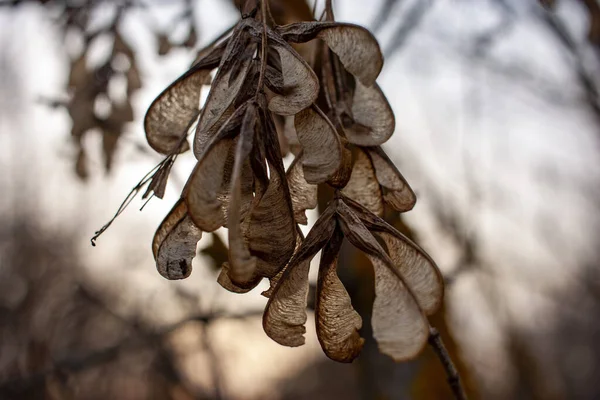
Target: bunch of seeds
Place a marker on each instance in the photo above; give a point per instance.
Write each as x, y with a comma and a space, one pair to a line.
337, 120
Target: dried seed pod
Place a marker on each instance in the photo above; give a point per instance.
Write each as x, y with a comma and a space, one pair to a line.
242, 264
355, 46
372, 122
285, 313
397, 192
300, 84
337, 321
170, 113
302, 193
223, 92
271, 230
207, 191
321, 144
240, 182
363, 186
174, 244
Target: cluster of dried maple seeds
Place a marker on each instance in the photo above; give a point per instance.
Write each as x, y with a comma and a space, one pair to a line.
265, 95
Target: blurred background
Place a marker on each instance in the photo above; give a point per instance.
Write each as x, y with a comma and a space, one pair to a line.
498, 132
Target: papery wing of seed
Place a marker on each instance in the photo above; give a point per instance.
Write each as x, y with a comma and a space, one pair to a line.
223, 92
321, 144
285, 313
247, 185
273, 281
356, 47
336, 320
363, 186
271, 231
274, 81
373, 118
273, 59
204, 140
259, 169
170, 113
203, 188
242, 264
300, 83
174, 243
302, 193
203, 192
399, 194
418, 270
356, 232
399, 325
341, 177
327, 80
227, 126
225, 281
248, 89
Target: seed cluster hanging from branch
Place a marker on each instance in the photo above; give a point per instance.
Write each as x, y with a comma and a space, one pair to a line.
334, 117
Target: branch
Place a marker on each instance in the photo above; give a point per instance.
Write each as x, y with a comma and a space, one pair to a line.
585, 77
435, 341
412, 20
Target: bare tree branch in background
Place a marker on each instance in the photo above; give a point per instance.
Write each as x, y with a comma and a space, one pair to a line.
586, 79
411, 21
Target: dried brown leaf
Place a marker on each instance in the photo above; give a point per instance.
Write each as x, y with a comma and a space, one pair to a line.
399, 326
321, 144
302, 193
271, 231
356, 232
373, 118
203, 191
170, 113
274, 80
356, 47
337, 322
341, 177
397, 193
300, 83
285, 313
225, 281
174, 244
242, 264
418, 270
414, 265
223, 92
363, 186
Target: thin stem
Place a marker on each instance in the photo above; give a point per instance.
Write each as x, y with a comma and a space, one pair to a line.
269, 12
263, 50
435, 341
314, 8
329, 10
